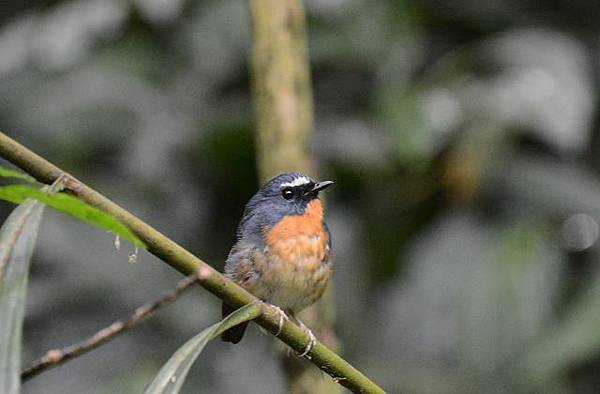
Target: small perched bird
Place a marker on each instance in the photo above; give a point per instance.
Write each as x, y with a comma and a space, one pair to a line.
282, 250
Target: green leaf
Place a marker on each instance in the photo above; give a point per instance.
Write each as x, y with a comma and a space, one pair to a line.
171, 376
8, 173
17, 240
70, 205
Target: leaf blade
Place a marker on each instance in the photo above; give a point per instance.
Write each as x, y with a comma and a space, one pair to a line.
17, 240
171, 376
70, 205
8, 173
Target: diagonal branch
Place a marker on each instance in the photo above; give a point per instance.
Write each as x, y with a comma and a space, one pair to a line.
56, 357
186, 263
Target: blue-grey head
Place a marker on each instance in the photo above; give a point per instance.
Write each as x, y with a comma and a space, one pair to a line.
285, 195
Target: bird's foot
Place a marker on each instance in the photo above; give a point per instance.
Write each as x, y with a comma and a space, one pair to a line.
312, 341
282, 318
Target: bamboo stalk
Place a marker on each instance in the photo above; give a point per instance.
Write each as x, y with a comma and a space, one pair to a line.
284, 121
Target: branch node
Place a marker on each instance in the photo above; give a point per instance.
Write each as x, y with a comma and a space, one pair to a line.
204, 273
53, 356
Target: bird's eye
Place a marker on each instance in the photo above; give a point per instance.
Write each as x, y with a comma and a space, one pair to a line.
287, 193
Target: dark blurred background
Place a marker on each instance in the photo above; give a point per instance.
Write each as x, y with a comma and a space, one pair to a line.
463, 139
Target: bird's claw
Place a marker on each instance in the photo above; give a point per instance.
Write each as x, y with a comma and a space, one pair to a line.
312, 339
282, 318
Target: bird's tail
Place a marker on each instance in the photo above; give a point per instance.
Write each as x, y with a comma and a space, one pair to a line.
234, 334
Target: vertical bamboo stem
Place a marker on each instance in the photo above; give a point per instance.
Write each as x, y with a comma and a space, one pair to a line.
284, 122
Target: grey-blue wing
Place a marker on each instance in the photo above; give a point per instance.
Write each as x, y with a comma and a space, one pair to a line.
240, 267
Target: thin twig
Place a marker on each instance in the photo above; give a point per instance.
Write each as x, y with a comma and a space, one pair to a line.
56, 357
185, 262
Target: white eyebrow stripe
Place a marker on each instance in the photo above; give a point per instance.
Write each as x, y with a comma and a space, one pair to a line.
301, 180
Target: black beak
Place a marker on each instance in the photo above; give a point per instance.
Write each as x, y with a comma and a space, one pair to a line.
321, 186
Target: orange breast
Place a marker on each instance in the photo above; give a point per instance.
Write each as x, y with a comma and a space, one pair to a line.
307, 227
298, 268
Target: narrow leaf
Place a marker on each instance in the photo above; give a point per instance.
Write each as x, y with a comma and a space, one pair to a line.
17, 240
8, 173
171, 376
70, 205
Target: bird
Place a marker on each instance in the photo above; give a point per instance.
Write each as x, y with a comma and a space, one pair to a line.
282, 251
